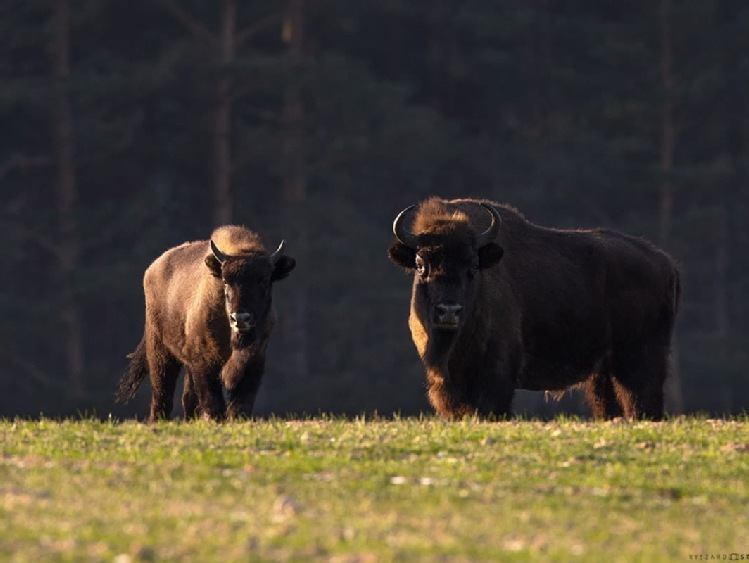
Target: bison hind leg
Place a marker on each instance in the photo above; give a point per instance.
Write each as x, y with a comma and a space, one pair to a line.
639, 378
164, 371
205, 396
202, 396
189, 397
641, 399
603, 396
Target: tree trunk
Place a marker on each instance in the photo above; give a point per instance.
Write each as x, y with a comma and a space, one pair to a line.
67, 195
223, 201
721, 307
729, 145
673, 389
225, 44
667, 124
294, 179
539, 60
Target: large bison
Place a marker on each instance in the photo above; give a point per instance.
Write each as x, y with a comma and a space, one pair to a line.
499, 304
208, 308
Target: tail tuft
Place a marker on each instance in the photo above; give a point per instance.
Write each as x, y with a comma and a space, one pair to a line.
134, 374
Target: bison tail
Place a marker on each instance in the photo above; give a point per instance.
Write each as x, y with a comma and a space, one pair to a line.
134, 375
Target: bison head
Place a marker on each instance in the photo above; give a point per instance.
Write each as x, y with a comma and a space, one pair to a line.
247, 285
445, 254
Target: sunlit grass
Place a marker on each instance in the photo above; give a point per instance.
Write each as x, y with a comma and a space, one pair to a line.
373, 490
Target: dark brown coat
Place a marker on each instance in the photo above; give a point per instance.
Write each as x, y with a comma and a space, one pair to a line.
535, 308
209, 309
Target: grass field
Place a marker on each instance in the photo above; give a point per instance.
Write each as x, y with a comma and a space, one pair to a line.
374, 490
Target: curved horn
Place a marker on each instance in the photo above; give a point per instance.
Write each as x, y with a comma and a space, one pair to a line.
491, 233
278, 253
220, 256
400, 232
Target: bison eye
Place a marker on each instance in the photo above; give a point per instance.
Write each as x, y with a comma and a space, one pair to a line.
420, 266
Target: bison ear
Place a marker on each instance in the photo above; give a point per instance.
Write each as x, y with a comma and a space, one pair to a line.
213, 265
403, 255
282, 268
490, 255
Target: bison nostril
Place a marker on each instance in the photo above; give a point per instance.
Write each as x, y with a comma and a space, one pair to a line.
241, 322
443, 309
448, 315
241, 318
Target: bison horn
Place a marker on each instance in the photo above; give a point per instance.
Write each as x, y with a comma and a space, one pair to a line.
400, 232
220, 256
491, 233
278, 253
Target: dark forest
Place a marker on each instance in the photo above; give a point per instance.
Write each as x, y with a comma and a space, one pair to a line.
131, 127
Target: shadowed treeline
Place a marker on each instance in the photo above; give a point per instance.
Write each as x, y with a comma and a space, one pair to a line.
131, 127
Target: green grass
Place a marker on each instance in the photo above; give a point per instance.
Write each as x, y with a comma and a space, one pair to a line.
374, 490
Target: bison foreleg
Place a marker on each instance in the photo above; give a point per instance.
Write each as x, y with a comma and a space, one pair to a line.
448, 401
489, 397
242, 395
493, 395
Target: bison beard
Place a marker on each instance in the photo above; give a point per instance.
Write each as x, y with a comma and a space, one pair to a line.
234, 368
244, 357
439, 347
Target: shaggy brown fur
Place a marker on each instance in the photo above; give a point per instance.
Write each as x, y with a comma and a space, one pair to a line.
542, 309
190, 296
237, 240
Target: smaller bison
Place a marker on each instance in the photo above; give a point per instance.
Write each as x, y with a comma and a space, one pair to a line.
500, 304
209, 309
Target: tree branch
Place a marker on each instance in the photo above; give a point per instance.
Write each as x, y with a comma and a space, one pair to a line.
257, 27
18, 227
189, 22
33, 372
22, 161
43, 242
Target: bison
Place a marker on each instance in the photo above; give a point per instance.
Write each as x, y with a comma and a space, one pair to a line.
499, 303
209, 309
